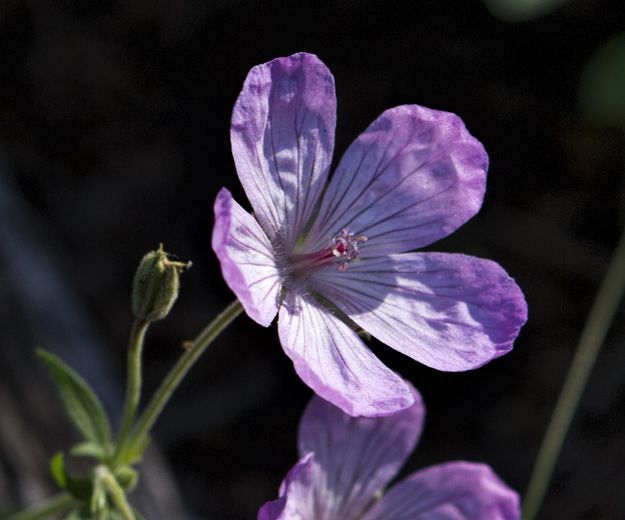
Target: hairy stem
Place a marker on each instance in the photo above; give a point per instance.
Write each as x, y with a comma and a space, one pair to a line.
180, 369
133, 388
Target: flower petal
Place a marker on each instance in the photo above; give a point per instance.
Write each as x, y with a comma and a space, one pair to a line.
452, 491
413, 177
296, 501
334, 362
448, 311
355, 457
246, 258
282, 135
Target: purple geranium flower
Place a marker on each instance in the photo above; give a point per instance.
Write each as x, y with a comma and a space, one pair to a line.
330, 255
347, 462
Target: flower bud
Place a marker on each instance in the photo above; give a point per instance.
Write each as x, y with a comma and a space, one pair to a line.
156, 284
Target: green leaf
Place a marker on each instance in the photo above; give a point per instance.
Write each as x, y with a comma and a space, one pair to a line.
57, 468
91, 449
521, 10
602, 90
80, 488
136, 450
81, 403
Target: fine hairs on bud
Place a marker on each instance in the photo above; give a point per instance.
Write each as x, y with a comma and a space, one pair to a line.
156, 285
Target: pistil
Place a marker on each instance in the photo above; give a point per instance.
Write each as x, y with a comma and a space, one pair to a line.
341, 250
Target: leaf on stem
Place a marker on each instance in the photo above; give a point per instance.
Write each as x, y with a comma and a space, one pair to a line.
81, 403
91, 449
136, 449
80, 488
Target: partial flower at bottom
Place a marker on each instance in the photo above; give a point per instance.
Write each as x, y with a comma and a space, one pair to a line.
347, 462
331, 256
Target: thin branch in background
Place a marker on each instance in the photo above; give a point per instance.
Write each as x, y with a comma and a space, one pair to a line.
599, 320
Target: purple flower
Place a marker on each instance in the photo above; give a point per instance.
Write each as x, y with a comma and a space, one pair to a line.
347, 462
330, 255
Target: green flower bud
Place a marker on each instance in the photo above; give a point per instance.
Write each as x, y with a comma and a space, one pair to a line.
156, 284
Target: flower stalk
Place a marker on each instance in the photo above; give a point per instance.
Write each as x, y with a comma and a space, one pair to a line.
133, 388
180, 369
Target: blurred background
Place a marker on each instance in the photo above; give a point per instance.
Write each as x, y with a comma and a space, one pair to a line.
114, 136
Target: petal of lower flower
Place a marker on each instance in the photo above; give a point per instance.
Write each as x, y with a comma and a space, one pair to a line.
296, 501
451, 312
246, 258
335, 363
355, 457
451, 491
411, 178
282, 135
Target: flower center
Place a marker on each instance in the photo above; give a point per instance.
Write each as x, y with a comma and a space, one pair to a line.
345, 248
341, 249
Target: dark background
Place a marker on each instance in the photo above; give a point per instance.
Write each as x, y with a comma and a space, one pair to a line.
114, 136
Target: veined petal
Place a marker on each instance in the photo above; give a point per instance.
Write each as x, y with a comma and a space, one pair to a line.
297, 493
335, 363
355, 457
282, 136
452, 491
413, 177
246, 257
448, 311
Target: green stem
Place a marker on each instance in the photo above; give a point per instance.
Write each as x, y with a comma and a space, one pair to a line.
179, 370
115, 491
133, 388
55, 505
595, 330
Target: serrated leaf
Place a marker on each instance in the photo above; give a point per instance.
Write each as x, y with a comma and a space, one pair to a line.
81, 403
602, 90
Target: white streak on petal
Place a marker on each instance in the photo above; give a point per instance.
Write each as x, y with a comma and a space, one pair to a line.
335, 363
282, 136
448, 311
411, 178
355, 457
296, 500
451, 491
246, 257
